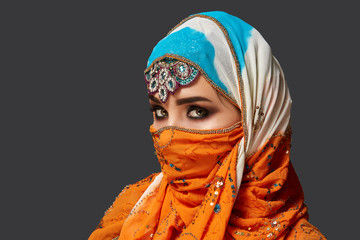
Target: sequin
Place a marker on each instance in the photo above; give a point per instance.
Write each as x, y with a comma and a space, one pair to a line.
217, 208
167, 75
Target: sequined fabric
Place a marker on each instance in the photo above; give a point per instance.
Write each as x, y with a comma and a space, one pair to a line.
235, 183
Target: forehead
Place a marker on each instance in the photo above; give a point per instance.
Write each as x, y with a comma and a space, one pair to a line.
198, 88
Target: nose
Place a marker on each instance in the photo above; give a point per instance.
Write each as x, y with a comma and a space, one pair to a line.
173, 120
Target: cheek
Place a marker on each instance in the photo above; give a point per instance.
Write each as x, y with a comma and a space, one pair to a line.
224, 119
158, 124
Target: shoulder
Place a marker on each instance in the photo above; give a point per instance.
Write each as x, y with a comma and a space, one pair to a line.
115, 215
304, 230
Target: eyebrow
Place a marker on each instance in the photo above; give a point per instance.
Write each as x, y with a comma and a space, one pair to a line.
191, 100
182, 100
154, 99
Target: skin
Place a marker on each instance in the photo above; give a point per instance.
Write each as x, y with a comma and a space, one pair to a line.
196, 106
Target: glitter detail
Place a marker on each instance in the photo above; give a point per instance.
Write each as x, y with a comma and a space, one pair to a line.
167, 75
217, 208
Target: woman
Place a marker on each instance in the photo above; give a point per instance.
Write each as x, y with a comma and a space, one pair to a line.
222, 136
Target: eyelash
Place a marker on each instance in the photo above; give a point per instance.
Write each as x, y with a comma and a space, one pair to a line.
157, 108
191, 108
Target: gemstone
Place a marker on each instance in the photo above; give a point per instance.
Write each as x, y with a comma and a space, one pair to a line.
217, 208
167, 74
153, 84
163, 94
163, 75
182, 68
147, 76
171, 84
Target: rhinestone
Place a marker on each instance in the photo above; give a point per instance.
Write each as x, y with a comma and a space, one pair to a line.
167, 74
153, 85
163, 93
182, 68
217, 208
171, 84
183, 71
147, 76
163, 75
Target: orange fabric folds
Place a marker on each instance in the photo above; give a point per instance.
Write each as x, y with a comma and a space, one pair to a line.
197, 191
196, 197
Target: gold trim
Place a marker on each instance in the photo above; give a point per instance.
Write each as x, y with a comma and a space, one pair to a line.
183, 59
240, 79
199, 131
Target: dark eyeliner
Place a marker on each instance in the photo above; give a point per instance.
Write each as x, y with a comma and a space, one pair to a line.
154, 109
194, 107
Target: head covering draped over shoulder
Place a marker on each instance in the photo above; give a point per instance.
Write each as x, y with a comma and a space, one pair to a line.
237, 61
250, 190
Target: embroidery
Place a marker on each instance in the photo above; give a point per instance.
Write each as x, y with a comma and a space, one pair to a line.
198, 131
167, 75
239, 75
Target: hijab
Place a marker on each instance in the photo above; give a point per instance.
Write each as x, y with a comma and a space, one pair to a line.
231, 183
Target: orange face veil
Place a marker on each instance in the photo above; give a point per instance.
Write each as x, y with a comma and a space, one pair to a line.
234, 183
197, 187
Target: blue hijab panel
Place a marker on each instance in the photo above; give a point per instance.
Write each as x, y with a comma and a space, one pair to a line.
194, 45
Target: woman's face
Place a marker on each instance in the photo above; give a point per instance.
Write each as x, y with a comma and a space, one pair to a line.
197, 106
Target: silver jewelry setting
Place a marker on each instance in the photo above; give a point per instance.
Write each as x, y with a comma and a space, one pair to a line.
167, 75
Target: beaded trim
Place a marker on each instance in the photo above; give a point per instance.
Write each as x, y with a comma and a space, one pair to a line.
199, 131
166, 75
240, 79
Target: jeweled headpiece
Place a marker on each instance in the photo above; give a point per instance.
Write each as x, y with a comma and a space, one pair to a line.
167, 75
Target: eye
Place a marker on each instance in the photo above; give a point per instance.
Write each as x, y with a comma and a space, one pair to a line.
159, 112
197, 112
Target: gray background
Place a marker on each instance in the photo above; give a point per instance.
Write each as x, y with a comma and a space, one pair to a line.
75, 116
